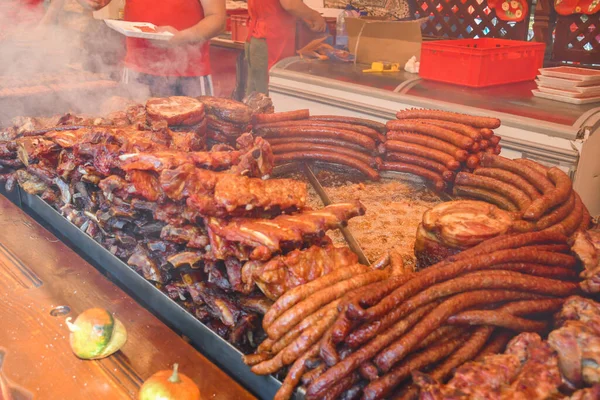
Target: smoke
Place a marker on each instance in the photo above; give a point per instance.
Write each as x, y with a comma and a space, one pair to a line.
76, 50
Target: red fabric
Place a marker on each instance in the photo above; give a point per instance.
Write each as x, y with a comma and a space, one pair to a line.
20, 13
188, 60
33, 3
268, 20
568, 7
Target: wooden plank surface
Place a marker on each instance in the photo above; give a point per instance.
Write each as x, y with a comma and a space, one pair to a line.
38, 274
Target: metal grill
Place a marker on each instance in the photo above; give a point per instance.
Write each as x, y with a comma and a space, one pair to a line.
467, 19
577, 39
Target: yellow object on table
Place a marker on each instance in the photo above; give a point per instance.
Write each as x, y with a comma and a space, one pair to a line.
383, 67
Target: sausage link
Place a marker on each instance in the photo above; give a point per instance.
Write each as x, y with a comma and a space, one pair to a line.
498, 319
367, 295
369, 371
328, 350
308, 338
476, 147
265, 346
422, 162
373, 296
431, 142
467, 352
442, 272
496, 345
486, 195
295, 147
378, 126
300, 293
435, 131
540, 181
253, 359
472, 281
513, 193
484, 144
294, 375
542, 169
444, 332
369, 330
313, 374
438, 181
351, 363
318, 140
556, 248
522, 226
573, 221
330, 157
557, 215
409, 392
398, 350
486, 133
294, 315
383, 386
335, 392
585, 219
540, 270
463, 129
510, 242
319, 132
553, 197
391, 313
473, 161
510, 178
494, 140
422, 151
470, 120
306, 323
279, 117
363, 130
497, 150
528, 307
269, 366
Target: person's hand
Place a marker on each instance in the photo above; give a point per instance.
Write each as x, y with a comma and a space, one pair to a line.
316, 23
174, 41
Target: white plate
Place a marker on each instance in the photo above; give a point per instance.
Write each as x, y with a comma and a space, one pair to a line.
563, 99
590, 76
133, 29
567, 84
570, 93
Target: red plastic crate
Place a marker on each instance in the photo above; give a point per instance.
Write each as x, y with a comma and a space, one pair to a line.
233, 12
239, 27
481, 62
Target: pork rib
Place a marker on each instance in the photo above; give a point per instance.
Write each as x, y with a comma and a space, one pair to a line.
266, 237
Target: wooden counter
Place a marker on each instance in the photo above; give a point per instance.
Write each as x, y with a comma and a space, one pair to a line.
38, 273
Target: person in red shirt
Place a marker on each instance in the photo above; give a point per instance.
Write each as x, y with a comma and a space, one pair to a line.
272, 36
180, 66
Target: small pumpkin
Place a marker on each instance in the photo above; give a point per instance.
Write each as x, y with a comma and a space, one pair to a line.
95, 334
169, 385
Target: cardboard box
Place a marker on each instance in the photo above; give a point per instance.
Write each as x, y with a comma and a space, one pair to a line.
372, 40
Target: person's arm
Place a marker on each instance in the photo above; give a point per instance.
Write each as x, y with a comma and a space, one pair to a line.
300, 10
214, 22
52, 13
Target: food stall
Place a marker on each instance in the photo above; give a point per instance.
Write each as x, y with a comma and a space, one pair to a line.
331, 220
